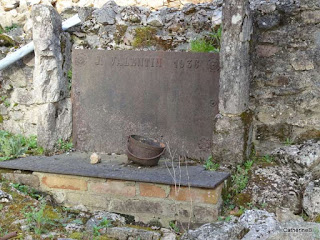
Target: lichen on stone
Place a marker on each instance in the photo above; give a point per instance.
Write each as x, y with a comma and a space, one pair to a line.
144, 37
121, 30
6, 41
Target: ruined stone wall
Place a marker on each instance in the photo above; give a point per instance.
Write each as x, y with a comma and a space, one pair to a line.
18, 11
109, 27
285, 88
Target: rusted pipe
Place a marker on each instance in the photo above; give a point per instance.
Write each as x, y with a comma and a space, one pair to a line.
8, 236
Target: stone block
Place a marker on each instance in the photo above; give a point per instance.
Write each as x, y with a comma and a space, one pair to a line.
64, 182
114, 187
206, 213
91, 201
198, 195
54, 122
50, 84
153, 190
22, 96
231, 139
143, 206
302, 64
235, 58
266, 50
311, 17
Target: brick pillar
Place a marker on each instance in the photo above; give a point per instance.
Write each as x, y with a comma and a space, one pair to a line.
232, 133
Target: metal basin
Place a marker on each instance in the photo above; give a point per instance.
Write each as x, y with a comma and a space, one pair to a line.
144, 151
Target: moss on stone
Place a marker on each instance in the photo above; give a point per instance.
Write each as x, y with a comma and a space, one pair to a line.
311, 134
76, 235
144, 37
242, 199
317, 219
121, 30
1, 118
6, 41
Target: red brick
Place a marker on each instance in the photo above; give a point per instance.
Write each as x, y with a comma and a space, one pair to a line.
152, 190
201, 195
64, 182
115, 187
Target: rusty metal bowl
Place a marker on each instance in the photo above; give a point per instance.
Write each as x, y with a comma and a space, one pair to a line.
144, 151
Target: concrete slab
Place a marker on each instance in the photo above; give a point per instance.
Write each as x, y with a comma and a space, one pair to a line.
117, 167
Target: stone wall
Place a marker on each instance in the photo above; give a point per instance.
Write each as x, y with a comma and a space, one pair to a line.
145, 201
285, 88
110, 27
18, 11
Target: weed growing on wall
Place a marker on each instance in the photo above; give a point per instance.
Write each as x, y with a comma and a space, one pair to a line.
38, 220
210, 43
210, 165
64, 146
105, 223
13, 146
13, 26
27, 191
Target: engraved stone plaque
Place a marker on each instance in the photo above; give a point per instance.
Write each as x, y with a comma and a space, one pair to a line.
169, 96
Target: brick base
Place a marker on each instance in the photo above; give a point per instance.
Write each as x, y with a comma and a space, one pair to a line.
145, 201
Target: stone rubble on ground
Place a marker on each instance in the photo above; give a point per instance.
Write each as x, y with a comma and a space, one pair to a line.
99, 216
124, 233
74, 227
311, 199
5, 197
287, 180
167, 234
255, 224
301, 158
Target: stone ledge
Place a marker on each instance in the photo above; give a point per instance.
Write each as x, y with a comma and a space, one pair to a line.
147, 201
115, 167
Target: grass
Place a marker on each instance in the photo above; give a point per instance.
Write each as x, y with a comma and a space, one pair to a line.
27, 191
210, 43
13, 26
210, 165
13, 146
105, 223
37, 220
174, 227
4, 100
64, 146
288, 142
267, 158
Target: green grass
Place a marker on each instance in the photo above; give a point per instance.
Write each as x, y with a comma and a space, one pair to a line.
240, 178
27, 191
37, 220
288, 142
13, 26
105, 223
210, 165
267, 158
174, 227
13, 146
65, 146
210, 43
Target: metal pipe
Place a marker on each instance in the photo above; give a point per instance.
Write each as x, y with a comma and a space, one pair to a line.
23, 51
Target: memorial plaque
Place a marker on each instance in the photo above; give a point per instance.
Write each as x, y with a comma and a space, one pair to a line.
170, 96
